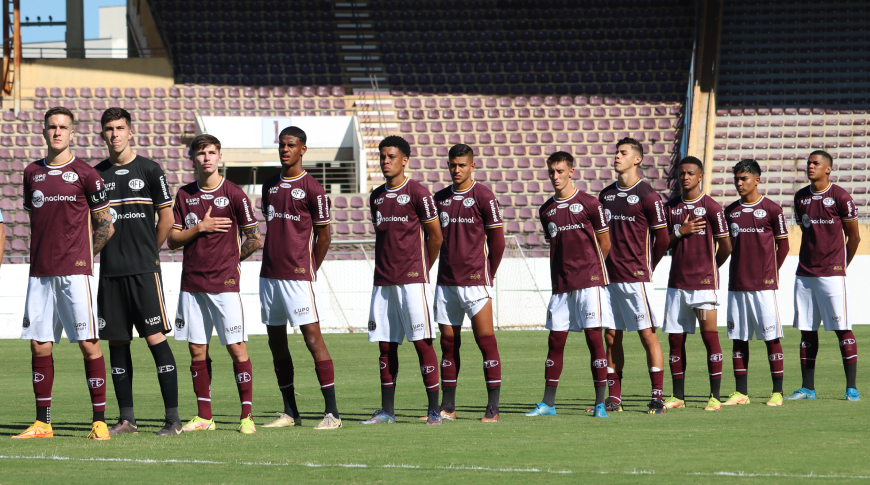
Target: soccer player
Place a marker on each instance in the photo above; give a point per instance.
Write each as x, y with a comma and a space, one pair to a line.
699, 239
576, 228
473, 246
639, 239
829, 223
69, 224
130, 291
297, 217
210, 215
408, 238
759, 242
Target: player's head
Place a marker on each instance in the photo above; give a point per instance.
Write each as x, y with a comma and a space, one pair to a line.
560, 168
58, 128
690, 173
117, 129
292, 145
460, 163
819, 165
394, 152
747, 175
629, 155
205, 151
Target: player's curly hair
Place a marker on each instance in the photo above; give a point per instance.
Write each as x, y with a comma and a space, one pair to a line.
747, 165
693, 161
561, 157
201, 141
59, 110
825, 154
460, 150
294, 131
113, 114
631, 142
397, 142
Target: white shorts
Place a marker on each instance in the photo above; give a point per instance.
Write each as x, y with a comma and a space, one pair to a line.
680, 306
283, 300
578, 310
199, 313
58, 303
632, 306
821, 300
400, 310
754, 312
453, 303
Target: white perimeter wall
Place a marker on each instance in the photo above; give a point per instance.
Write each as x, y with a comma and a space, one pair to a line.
345, 290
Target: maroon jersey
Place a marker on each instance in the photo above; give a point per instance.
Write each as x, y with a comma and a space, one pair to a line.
400, 243
211, 261
465, 217
61, 199
631, 213
754, 231
823, 247
292, 207
693, 266
570, 226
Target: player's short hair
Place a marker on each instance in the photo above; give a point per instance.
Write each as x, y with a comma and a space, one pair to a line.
747, 165
201, 141
59, 110
633, 143
460, 150
693, 161
113, 114
294, 131
561, 157
824, 154
397, 142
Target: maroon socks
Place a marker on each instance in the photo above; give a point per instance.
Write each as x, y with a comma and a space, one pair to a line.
245, 383
849, 351
553, 366
677, 361
201, 387
775, 359
449, 360
43, 380
809, 350
740, 359
389, 365
95, 370
714, 361
657, 378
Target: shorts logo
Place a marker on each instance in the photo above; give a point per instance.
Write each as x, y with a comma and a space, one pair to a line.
162, 369
445, 219
179, 323
639, 317
96, 382
489, 364
828, 201
136, 184
70, 177
549, 363
446, 363
730, 325
836, 318
81, 325
768, 329
599, 363
372, 326
243, 377
116, 371
716, 358
427, 369
383, 365
468, 202
235, 329
152, 320
403, 199
632, 199
101, 322
848, 341
590, 315
674, 359
700, 211
774, 357
575, 208
221, 202
301, 311
297, 194
37, 377
549, 315
417, 326
25, 323
760, 213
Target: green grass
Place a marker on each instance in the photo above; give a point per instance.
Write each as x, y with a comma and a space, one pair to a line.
827, 436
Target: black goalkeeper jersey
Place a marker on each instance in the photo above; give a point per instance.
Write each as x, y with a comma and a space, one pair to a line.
136, 190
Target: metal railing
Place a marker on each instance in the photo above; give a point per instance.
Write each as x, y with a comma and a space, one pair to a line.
88, 52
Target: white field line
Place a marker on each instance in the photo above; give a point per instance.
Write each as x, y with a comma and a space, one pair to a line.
417, 467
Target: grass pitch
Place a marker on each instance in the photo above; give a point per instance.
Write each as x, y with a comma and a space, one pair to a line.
803, 441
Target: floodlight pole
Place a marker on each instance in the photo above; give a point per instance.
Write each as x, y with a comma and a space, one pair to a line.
11, 80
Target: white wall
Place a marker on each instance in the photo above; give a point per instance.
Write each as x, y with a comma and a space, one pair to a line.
262, 132
345, 290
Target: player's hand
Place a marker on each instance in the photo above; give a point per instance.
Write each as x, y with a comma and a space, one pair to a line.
214, 224
693, 226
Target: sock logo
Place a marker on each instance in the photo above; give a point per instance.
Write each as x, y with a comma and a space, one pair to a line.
806, 345
716, 358
599, 363
194, 374
489, 364
427, 369
447, 363
550, 363
774, 357
657, 393
674, 359
737, 354
242, 377
116, 371
611, 382
96, 382
383, 365
848, 341
37, 377
161, 369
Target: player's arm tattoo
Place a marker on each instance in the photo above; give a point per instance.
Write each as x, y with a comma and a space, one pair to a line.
253, 242
103, 229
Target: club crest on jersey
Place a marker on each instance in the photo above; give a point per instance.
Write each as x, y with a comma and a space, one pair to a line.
760, 213
632, 199
136, 184
221, 202
575, 208
70, 177
468, 202
123, 171
700, 211
403, 199
828, 201
297, 194
445, 219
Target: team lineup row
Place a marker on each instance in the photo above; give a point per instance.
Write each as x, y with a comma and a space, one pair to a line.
603, 251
